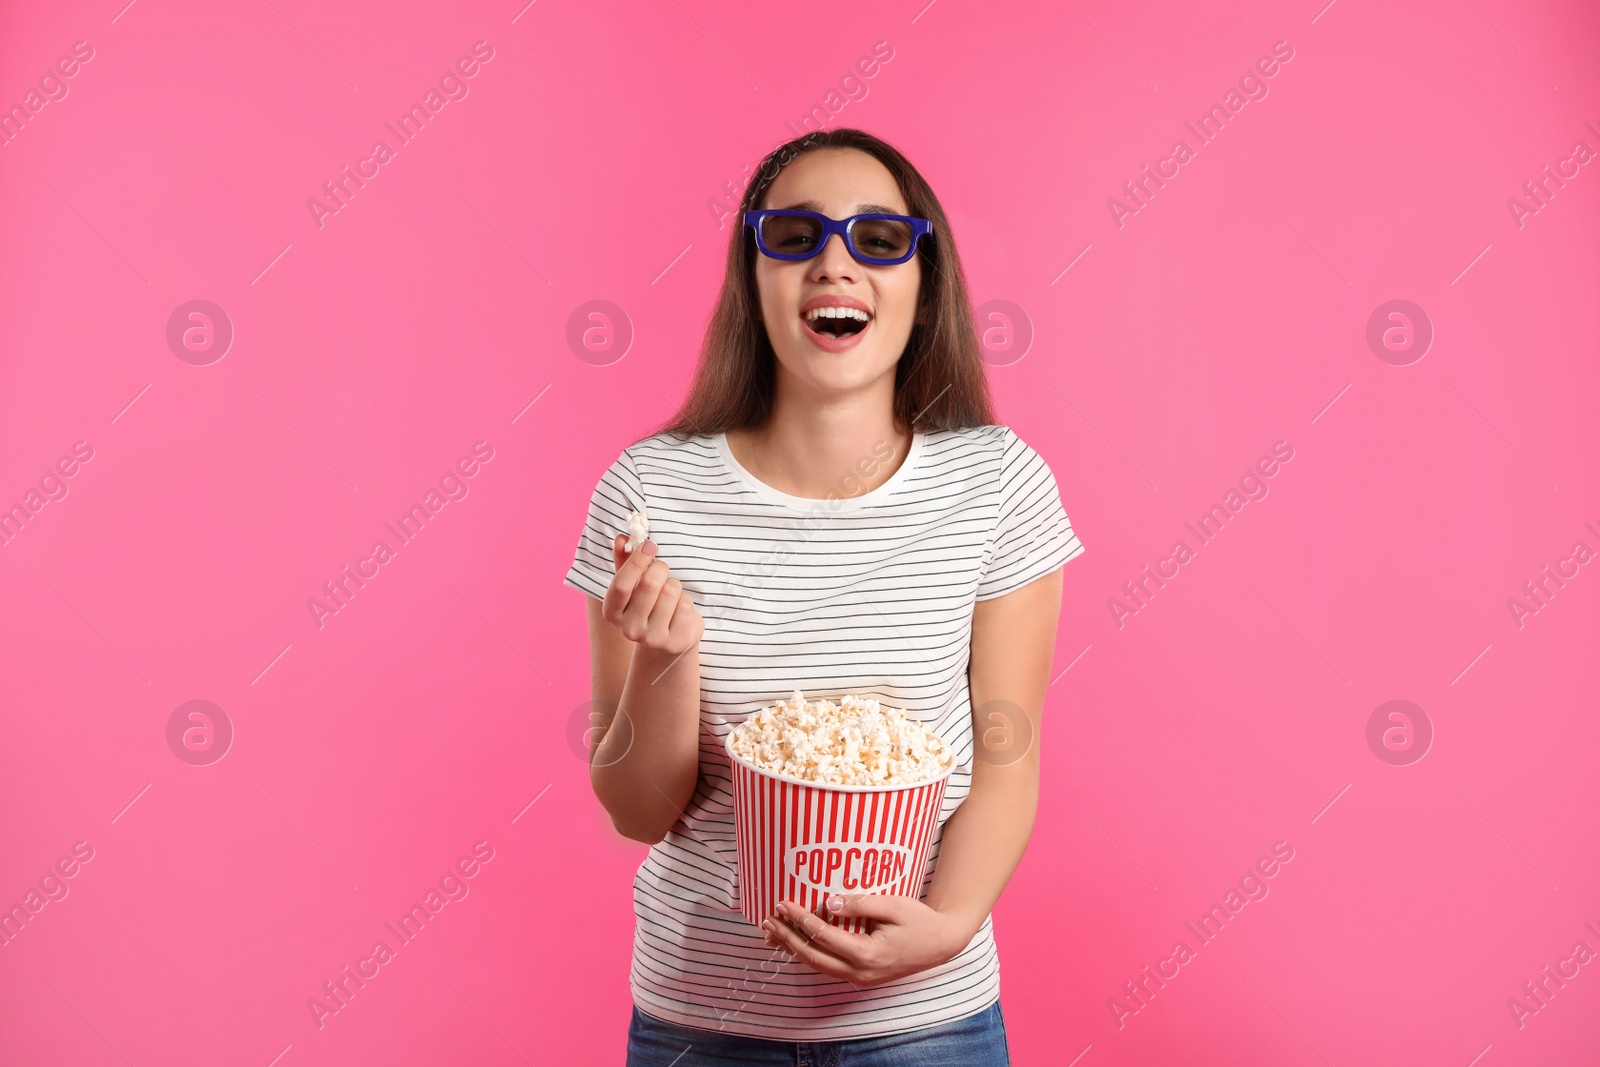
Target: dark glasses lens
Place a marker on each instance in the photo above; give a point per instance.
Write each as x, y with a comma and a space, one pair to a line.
881, 238
790, 234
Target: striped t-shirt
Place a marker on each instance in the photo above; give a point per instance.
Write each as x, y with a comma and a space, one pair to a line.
870, 594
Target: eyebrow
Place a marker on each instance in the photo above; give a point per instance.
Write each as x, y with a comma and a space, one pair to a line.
860, 209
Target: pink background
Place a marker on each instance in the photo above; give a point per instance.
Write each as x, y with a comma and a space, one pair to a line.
369, 354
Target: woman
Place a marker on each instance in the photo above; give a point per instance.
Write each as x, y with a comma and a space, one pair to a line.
833, 510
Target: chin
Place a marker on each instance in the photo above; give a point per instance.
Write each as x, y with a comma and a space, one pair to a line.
849, 369
839, 376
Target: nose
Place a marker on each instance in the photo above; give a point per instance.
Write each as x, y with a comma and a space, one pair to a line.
834, 262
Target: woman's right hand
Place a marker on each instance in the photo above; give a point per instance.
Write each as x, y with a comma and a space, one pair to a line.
647, 604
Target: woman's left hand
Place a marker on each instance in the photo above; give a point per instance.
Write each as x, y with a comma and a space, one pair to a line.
907, 936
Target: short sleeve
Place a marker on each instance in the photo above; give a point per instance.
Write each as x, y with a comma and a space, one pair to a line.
618, 493
1032, 534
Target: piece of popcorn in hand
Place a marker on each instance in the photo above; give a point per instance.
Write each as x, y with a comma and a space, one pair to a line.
638, 530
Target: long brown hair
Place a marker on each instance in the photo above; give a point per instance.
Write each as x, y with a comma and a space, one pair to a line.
939, 382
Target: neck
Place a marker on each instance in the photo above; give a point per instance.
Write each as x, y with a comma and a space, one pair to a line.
846, 445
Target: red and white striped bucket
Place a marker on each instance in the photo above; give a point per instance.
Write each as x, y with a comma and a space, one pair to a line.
801, 840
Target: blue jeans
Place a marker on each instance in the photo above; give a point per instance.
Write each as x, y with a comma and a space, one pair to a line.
976, 1041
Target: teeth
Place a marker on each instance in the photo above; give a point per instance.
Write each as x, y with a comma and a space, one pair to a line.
836, 313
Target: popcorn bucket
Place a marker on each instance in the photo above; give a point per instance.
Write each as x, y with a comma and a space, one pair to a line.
801, 841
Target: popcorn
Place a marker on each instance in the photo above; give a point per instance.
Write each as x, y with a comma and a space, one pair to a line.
854, 742
638, 530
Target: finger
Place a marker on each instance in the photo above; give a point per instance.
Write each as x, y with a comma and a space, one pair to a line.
686, 618
619, 550
787, 937
880, 906
836, 942
646, 592
660, 619
630, 568
635, 613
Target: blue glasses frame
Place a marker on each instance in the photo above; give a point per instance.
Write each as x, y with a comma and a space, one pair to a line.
844, 227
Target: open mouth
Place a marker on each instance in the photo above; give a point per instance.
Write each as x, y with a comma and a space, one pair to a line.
837, 321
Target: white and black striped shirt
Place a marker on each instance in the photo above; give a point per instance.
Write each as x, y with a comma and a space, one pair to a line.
870, 594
